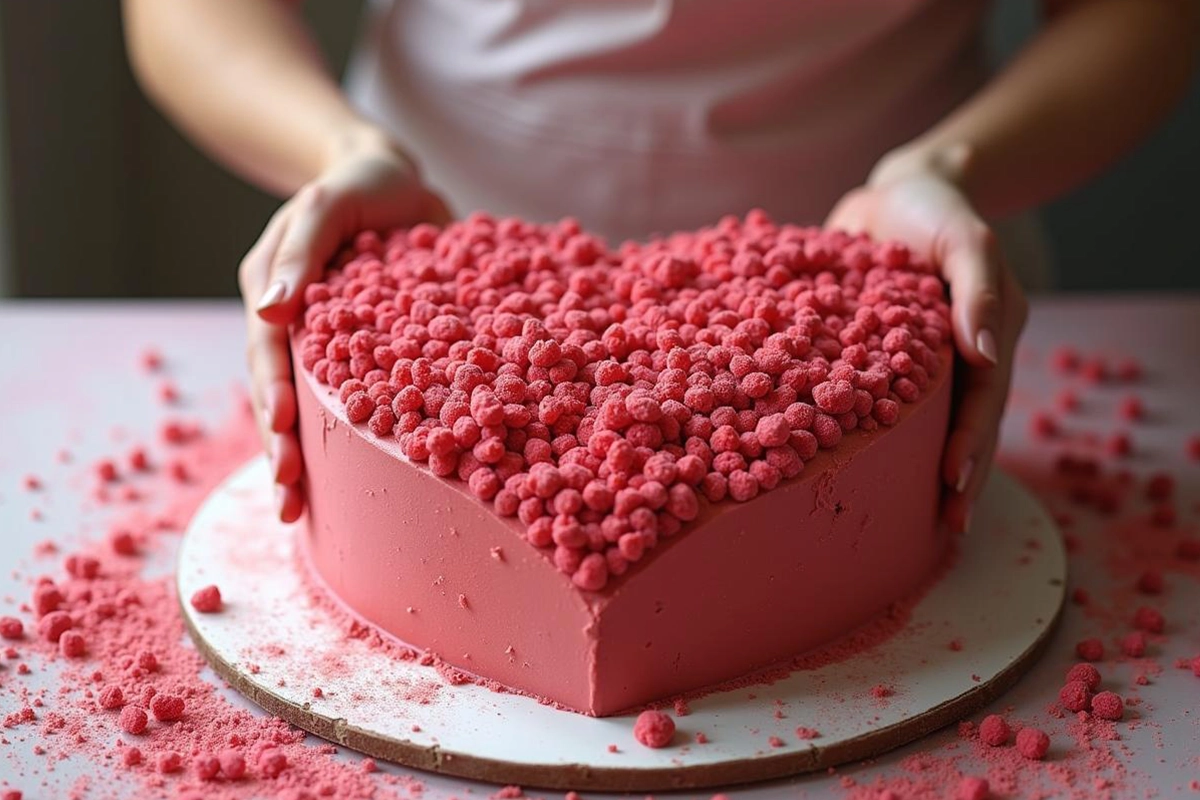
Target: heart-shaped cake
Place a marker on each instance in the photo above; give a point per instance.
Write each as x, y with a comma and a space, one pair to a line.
603, 477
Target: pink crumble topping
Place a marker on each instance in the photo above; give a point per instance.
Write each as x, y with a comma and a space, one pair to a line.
1075, 696
594, 393
973, 788
1086, 674
134, 719
1148, 619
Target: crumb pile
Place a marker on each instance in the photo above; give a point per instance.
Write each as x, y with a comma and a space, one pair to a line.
598, 395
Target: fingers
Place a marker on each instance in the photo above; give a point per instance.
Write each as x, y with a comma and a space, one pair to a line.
852, 213
310, 238
970, 261
972, 441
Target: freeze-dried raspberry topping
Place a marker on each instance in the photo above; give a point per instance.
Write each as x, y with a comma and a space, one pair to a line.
595, 393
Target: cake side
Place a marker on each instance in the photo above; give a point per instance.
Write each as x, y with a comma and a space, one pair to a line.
385, 534
756, 584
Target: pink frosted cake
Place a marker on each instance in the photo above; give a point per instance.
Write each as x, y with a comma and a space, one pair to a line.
605, 477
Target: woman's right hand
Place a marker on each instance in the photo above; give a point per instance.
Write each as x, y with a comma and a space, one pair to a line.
368, 184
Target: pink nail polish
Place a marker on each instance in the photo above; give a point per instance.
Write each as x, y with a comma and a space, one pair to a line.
272, 295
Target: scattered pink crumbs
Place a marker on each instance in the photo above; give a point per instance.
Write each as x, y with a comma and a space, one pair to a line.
597, 394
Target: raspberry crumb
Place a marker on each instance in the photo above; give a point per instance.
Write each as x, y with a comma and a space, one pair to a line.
11, 628
72, 644
654, 729
1043, 426
1131, 408
233, 764
52, 626
1090, 650
111, 697
1108, 705
701, 737
806, 733
207, 600
1085, 673
1150, 582
166, 707
1032, 743
1134, 644
168, 762
1149, 620
272, 762
972, 788
131, 757
206, 766
994, 731
134, 719
106, 471
123, 543
1075, 696
880, 691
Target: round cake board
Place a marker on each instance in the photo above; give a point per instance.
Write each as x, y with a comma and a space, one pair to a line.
967, 640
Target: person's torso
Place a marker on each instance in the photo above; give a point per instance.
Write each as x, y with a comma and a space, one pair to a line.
641, 116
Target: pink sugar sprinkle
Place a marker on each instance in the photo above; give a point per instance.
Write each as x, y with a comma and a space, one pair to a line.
775, 741
806, 733
654, 729
106, 470
1119, 444
207, 600
1090, 650
880, 691
1032, 743
32, 483
994, 731
1108, 705
1131, 408
134, 719
1065, 359
509, 793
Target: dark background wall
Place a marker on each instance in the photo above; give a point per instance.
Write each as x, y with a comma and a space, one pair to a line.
103, 198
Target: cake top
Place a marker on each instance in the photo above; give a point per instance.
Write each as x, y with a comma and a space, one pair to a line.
598, 394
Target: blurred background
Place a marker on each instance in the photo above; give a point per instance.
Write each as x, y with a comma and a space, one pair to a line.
99, 197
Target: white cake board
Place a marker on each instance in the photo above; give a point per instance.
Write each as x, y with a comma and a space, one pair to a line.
1000, 600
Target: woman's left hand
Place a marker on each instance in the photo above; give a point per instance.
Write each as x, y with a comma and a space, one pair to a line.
928, 212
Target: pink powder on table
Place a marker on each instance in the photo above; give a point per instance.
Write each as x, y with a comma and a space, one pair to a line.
654, 729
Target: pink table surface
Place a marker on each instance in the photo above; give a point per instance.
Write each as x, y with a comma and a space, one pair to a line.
70, 380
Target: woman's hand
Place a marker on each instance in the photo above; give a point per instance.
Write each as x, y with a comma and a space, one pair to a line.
369, 184
921, 206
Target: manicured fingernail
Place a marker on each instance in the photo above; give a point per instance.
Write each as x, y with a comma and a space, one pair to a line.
964, 475
272, 295
985, 343
273, 456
